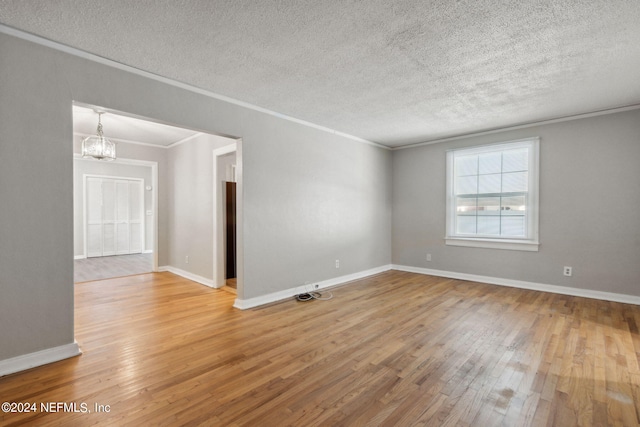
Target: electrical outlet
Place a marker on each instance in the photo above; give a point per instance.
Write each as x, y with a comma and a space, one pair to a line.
186, 259
568, 271
337, 263
428, 257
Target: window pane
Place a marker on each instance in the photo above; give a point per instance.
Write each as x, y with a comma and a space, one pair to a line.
490, 187
513, 205
466, 165
466, 225
489, 206
515, 160
489, 183
489, 225
490, 163
514, 182
467, 185
466, 205
513, 226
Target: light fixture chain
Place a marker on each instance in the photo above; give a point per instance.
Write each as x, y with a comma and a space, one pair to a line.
100, 125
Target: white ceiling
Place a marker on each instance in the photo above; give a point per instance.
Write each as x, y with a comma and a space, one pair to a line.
118, 127
393, 72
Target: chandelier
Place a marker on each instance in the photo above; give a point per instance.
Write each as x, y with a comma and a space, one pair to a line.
97, 146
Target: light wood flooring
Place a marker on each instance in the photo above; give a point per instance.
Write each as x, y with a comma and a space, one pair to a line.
396, 349
232, 283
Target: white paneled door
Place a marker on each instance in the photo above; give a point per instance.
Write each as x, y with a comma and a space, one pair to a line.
113, 216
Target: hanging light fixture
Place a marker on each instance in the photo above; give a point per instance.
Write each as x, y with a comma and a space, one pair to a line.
97, 146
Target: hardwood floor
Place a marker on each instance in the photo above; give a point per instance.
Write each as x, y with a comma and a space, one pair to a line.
232, 283
396, 349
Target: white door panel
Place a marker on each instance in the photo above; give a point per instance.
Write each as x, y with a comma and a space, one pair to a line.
108, 239
114, 220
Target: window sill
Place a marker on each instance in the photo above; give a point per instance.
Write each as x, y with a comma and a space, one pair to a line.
512, 245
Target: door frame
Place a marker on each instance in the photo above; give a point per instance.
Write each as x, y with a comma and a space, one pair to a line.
154, 200
218, 215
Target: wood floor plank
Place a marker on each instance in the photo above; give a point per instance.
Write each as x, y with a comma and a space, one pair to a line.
395, 349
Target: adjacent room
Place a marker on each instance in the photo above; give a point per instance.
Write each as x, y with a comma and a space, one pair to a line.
319, 213
162, 174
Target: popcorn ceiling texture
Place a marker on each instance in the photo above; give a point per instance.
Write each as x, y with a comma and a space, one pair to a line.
393, 72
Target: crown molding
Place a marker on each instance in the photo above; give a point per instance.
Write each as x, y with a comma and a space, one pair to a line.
128, 141
523, 126
114, 64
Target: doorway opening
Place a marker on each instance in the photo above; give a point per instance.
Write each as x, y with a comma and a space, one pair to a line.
230, 273
226, 217
113, 237
171, 219
114, 212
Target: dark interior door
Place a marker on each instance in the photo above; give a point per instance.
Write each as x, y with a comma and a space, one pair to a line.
230, 204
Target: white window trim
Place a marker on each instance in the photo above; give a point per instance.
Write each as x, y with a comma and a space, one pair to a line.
530, 244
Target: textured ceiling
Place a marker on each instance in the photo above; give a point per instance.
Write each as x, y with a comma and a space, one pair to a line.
393, 72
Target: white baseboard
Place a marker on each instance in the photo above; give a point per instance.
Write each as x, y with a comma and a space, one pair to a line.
244, 304
188, 275
148, 251
564, 290
38, 358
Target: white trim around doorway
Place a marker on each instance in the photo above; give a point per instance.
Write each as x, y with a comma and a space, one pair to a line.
218, 241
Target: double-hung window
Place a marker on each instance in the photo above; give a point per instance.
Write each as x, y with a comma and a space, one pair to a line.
492, 196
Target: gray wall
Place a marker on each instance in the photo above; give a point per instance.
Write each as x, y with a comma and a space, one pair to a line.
36, 192
589, 200
190, 213
93, 167
309, 196
320, 199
